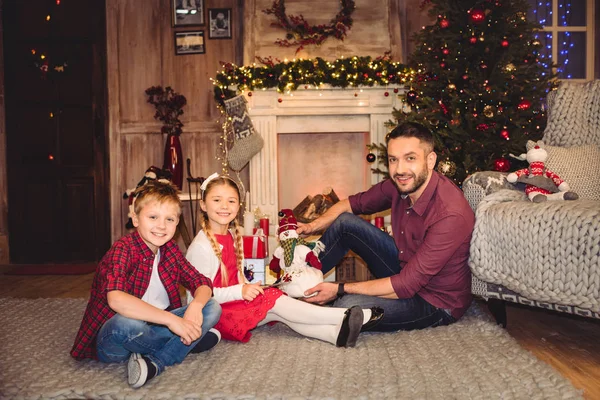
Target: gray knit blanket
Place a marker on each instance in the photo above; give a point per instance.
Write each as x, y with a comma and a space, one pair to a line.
560, 262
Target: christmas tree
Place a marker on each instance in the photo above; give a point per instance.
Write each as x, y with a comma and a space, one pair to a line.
481, 87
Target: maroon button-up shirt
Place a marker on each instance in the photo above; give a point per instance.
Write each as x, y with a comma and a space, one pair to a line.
127, 266
433, 238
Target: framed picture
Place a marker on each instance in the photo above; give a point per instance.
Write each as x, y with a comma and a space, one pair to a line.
219, 22
188, 12
191, 42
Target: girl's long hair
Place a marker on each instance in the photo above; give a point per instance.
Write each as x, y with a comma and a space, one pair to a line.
233, 225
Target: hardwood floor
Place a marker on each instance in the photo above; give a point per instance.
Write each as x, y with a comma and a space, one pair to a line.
569, 344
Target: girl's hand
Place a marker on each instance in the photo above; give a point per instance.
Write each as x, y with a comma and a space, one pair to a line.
251, 290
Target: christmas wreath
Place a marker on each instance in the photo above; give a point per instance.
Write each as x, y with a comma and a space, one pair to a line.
300, 33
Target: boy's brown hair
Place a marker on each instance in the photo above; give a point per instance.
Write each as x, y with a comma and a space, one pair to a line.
155, 190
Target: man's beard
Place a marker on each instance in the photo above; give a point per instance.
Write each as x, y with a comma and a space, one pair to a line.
418, 181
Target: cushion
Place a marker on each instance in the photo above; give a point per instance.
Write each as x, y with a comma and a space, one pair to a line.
578, 166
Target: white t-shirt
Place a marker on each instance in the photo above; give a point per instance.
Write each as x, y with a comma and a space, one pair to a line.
156, 294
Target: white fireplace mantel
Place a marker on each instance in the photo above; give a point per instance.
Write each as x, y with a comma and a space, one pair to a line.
311, 111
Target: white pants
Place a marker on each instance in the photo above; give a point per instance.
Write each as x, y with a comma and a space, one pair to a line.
309, 320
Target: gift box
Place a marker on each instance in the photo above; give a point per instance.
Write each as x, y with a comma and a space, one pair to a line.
254, 269
255, 246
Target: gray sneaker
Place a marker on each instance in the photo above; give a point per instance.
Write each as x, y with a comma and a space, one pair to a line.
137, 371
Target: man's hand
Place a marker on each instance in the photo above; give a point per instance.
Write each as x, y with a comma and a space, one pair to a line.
251, 290
327, 292
305, 229
187, 330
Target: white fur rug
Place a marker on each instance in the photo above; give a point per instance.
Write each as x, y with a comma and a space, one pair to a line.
472, 359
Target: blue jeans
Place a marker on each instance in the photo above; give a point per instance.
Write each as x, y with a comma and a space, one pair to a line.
379, 252
120, 336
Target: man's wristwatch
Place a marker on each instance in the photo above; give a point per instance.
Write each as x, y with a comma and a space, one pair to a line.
340, 291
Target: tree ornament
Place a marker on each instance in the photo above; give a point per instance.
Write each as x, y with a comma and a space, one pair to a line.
300, 33
447, 168
536, 43
386, 94
488, 111
371, 158
446, 51
249, 94
505, 134
504, 43
510, 67
473, 39
452, 86
395, 90
465, 77
501, 164
477, 16
280, 100
524, 105
411, 97
444, 23
443, 64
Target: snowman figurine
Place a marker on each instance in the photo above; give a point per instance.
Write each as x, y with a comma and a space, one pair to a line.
295, 258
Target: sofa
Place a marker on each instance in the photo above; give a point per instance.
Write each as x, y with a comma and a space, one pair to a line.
544, 254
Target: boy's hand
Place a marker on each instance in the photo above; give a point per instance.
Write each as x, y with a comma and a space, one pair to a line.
194, 313
187, 330
251, 290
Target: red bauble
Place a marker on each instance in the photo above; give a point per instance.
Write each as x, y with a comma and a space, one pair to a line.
446, 51
443, 64
249, 94
395, 90
386, 94
505, 134
473, 39
477, 16
524, 105
280, 99
504, 43
444, 23
502, 164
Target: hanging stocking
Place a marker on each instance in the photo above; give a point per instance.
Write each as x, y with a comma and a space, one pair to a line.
246, 141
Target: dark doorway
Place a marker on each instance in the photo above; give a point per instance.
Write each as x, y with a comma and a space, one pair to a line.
55, 79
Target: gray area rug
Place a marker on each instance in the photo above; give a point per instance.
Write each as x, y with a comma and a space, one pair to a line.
472, 359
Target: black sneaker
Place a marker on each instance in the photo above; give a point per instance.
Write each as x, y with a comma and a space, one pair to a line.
209, 341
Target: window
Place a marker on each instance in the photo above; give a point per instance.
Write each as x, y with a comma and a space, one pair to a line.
567, 35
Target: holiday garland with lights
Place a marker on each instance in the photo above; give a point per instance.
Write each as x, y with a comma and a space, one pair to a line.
483, 86
300, 33
287, 76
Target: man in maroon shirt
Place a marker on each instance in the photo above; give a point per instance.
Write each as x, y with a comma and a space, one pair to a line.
423, 279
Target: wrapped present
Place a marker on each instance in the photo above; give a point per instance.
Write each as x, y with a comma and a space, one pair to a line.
255, 246
254, 269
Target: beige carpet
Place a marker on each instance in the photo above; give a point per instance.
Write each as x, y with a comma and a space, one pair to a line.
473, 359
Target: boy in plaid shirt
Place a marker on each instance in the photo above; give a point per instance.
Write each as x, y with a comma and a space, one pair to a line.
135, 311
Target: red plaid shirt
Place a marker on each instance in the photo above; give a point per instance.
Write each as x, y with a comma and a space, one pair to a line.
127, 266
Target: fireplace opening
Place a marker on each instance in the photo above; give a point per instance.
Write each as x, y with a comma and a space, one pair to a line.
310, 162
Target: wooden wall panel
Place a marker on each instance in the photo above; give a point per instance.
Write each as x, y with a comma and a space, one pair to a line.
139, 54
373, 32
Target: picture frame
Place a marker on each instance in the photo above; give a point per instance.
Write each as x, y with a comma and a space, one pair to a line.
187, 12
219, 23
189, 42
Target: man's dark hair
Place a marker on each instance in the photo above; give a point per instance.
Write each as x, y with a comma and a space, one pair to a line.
411, 129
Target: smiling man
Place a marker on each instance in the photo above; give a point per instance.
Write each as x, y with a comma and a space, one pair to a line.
422, 276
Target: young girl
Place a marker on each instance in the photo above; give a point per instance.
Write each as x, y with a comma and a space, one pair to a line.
217, 253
